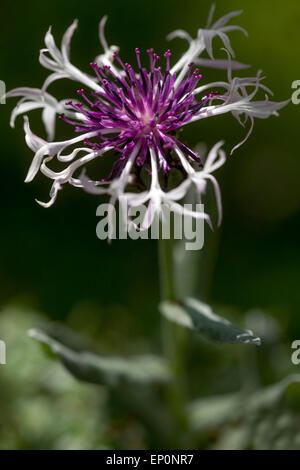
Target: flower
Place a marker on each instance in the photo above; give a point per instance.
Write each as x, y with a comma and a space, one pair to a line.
137, 113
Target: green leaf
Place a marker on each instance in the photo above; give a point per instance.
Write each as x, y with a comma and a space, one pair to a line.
196, 315
112, 371
216, 411
207, 414
270, 397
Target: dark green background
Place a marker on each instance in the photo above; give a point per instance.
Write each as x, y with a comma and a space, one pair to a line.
52, 260
54, 257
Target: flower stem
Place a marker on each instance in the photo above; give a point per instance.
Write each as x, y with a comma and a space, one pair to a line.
166, 269
174, 340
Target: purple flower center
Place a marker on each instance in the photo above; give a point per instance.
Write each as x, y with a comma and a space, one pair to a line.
144, 109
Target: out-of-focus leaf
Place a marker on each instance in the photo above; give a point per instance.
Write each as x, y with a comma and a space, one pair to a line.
276, 431
51, 408
111, 371
211, 413
271, 396
265, 325
199, 316
234, 438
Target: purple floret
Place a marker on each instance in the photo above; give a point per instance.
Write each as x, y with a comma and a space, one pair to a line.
144, 109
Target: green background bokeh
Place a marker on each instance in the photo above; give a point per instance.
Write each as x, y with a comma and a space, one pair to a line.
51, 259
53, 255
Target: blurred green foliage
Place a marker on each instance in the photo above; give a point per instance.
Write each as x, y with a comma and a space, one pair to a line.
44, 408
51, 260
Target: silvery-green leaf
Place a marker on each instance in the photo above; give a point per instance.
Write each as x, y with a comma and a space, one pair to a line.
213, 412
199, 316
112, 371
234, 438
270, 397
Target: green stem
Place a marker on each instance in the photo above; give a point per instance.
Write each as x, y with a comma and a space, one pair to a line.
166, 269
174, 340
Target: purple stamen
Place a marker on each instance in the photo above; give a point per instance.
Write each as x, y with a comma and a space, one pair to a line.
144, 109
167, 55
137, 52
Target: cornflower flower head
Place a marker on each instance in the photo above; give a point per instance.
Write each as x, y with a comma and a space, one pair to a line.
136, 112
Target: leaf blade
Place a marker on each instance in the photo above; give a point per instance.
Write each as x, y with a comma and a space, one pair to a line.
198, 316
104, 370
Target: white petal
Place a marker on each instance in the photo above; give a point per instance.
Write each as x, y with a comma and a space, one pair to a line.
149, 215
179, 192
218, 197
220, 64
101, 33
91, 186
210, 15
52, 78
179, 33
33, 141
224, 19
210, 163
53, 195
48, 63
23, 108
66, 41
48, 118
65, 174
51, 46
